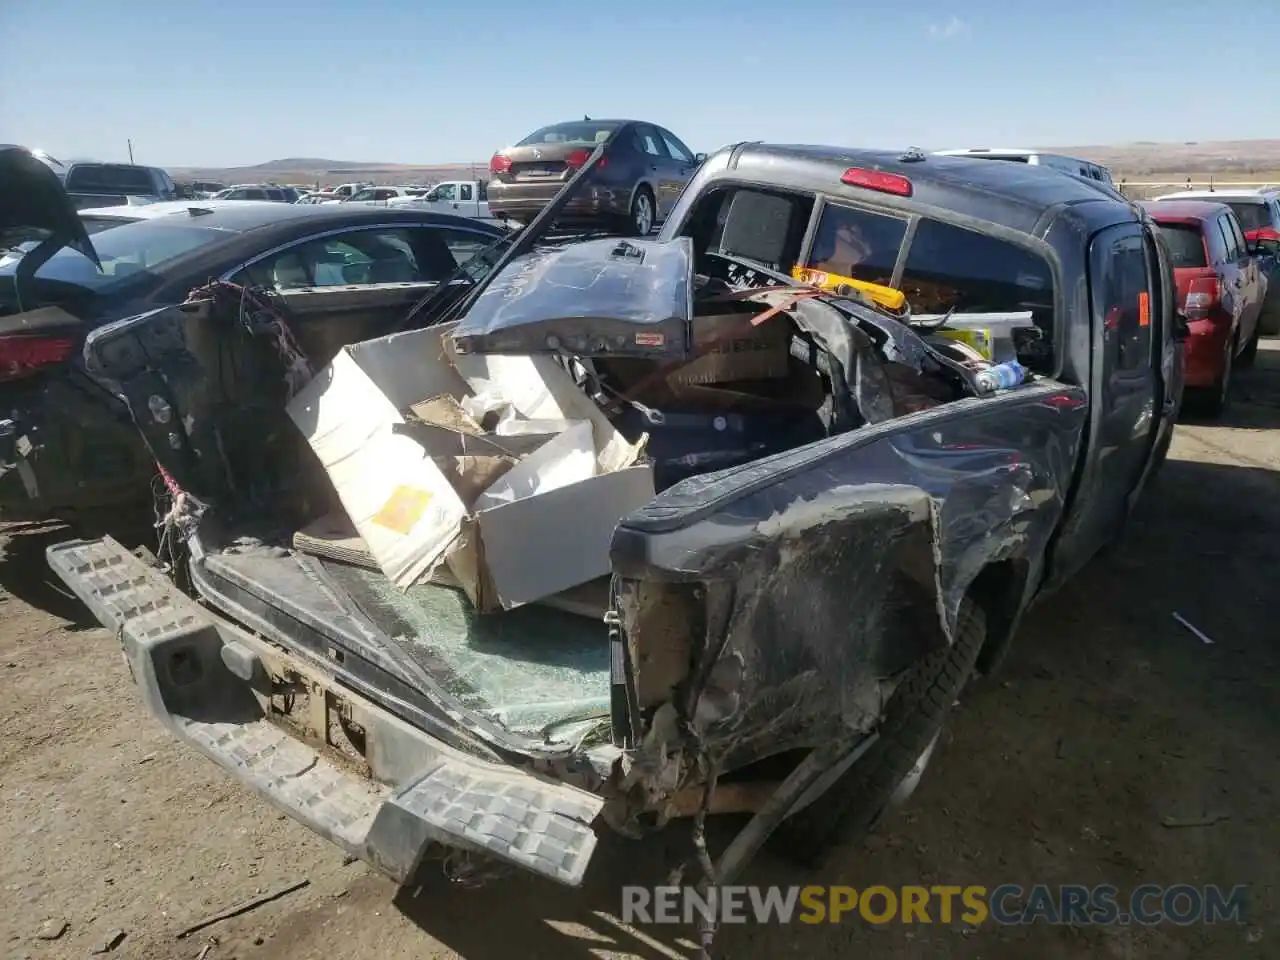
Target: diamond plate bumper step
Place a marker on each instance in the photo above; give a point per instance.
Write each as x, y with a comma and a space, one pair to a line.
197, 673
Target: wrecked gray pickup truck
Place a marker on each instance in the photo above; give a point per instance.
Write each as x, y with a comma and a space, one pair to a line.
838, 538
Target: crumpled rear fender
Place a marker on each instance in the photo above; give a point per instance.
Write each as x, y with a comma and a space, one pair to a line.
775, 604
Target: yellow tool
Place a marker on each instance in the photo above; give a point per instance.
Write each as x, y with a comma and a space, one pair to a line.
887, 297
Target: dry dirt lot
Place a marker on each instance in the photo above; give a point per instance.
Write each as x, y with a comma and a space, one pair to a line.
1108, 717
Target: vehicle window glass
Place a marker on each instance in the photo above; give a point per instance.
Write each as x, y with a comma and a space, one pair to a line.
358, 257
1160, 283
951, 268
1122, 299
1252, 216
857, 243
675, 147
465, 192
446, 191
108, 178
484, 190
1216, 241
647, 141
1232, 227
1230, 253
1185, 243
1242, 245
581, 131
125, 250
464, 245
749, 224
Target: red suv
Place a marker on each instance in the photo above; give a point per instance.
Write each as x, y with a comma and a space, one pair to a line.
1259, 214
1220, 290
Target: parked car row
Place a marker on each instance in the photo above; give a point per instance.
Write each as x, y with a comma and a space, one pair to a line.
840, 526
1227, 285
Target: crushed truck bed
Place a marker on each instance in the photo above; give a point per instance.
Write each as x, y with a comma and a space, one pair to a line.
528, 668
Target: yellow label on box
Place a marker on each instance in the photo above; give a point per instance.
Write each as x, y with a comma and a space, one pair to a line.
403, 509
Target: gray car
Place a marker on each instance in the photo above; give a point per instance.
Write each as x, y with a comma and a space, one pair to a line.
644, 171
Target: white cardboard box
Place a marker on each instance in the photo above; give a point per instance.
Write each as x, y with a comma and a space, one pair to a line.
543, 527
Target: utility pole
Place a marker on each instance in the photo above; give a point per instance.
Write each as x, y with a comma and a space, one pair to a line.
130, 151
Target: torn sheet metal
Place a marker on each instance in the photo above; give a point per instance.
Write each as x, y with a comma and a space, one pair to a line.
849, 560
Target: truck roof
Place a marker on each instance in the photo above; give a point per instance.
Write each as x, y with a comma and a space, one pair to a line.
1013, 195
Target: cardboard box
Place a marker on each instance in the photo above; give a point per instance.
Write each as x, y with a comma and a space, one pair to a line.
542, 526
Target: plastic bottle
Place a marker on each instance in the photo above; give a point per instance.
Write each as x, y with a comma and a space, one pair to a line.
1001, 376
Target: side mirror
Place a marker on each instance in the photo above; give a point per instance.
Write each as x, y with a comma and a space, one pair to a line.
700, 158
1265, 247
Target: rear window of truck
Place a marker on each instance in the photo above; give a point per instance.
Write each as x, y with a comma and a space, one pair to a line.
101, 178
946, 268
1185, 243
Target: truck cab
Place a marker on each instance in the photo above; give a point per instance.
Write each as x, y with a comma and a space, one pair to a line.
112, 184
954, 232
468, 198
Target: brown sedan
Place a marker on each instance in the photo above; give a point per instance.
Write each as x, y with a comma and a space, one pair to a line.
634, 187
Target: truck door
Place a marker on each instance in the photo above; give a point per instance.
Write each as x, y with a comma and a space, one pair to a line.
1126, 293
466, 202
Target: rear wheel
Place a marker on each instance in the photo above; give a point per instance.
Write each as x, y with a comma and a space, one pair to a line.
889, 770
640, 222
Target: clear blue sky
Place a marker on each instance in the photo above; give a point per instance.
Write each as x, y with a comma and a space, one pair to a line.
237, 82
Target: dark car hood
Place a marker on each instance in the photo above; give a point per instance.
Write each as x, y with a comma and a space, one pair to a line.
32, 199
599, 298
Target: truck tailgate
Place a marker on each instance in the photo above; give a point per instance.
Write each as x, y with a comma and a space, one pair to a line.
213, 684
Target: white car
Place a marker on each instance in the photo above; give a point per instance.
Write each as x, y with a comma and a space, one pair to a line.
374, 195
1036, 158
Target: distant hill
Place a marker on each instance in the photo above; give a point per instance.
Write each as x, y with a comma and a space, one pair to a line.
1220, 156
312, 163
1133, 160
328, 172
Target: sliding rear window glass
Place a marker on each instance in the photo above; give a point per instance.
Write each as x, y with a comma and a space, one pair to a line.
951, 268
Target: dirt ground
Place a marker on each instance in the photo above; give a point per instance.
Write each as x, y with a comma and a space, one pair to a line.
1107, 717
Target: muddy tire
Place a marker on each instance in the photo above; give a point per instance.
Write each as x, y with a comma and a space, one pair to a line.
913, 718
